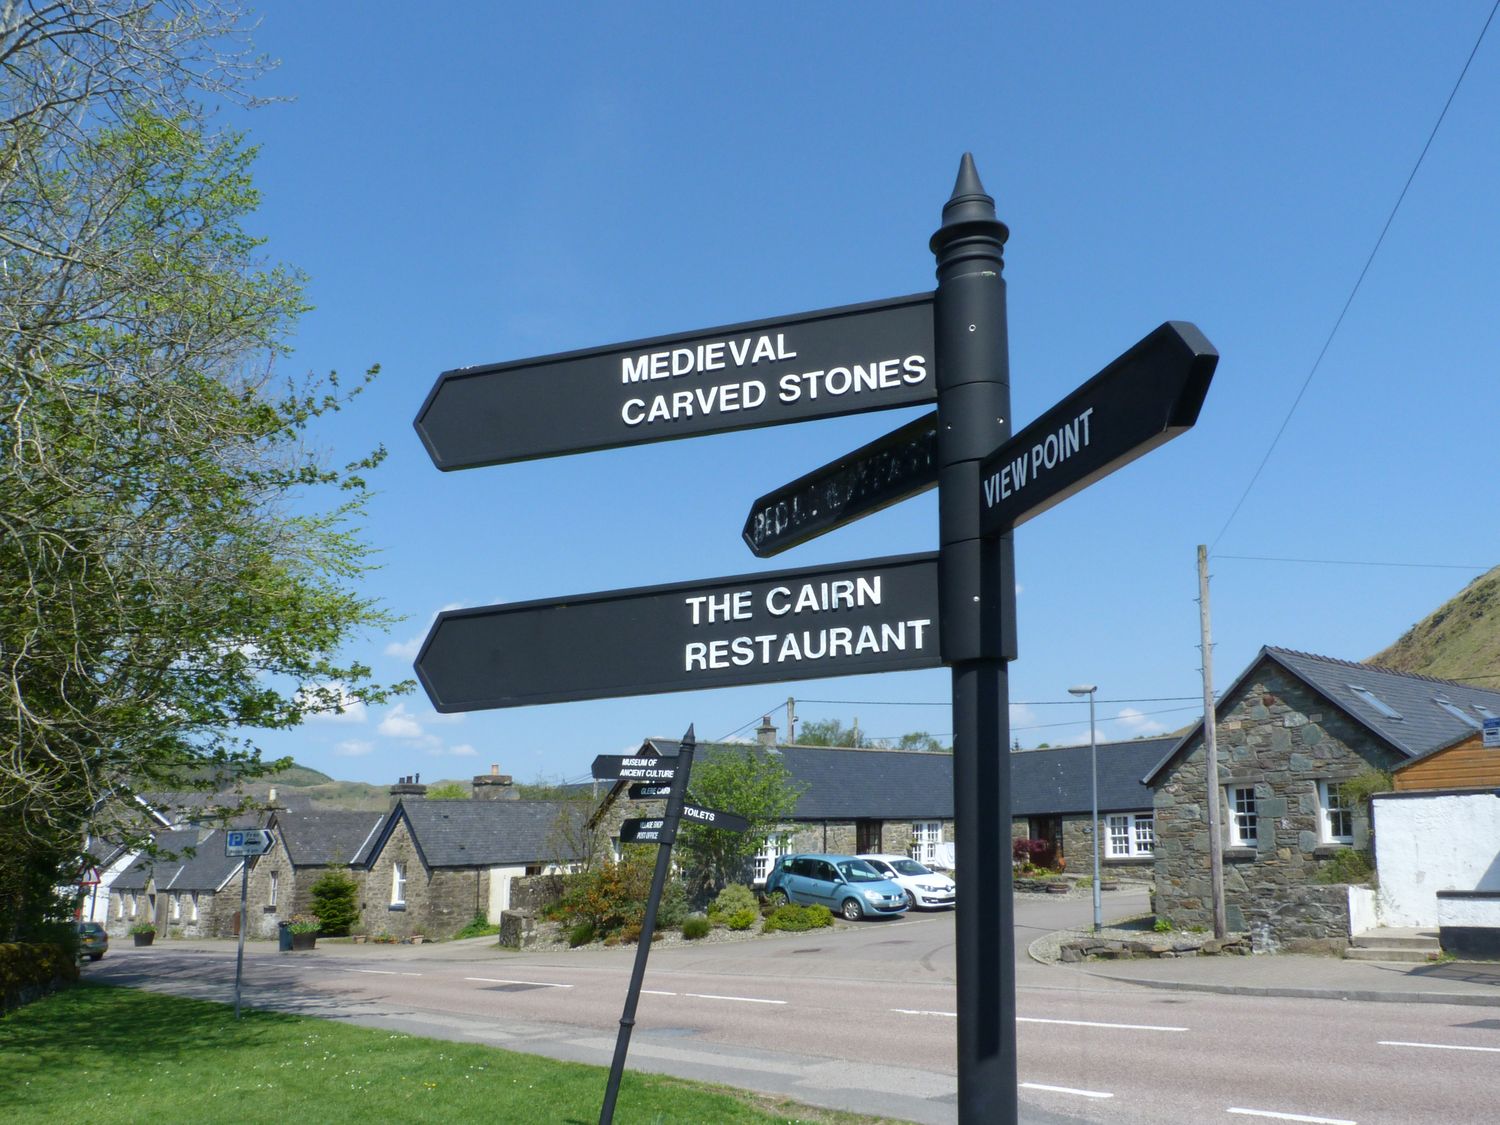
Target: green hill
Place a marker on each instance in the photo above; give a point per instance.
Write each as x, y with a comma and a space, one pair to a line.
1460, 640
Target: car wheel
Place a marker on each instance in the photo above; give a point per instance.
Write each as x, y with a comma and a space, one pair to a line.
852, 910
777, 898
95, 956
911, 901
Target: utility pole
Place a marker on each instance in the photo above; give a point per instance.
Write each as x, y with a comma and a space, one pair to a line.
791, 720
1211, 749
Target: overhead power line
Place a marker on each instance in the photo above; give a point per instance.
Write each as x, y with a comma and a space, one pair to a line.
1339, 320
1357, 562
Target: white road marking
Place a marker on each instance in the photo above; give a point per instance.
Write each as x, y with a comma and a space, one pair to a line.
1064, 1090
922, 1012
1091, 1023
377, 972
533, 983
741, 999
411, 974
1291, 1116
1436, 1046
655, 992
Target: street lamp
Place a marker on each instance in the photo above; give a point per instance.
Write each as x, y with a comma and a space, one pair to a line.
1089, 690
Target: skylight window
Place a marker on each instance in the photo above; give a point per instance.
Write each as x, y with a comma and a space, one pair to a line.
1456, 711
1485, 712
1379, 705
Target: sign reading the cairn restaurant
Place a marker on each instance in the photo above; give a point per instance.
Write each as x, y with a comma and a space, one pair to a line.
812, 365
844, 619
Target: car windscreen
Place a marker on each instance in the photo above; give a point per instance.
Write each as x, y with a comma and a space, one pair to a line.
909, 867
858, 871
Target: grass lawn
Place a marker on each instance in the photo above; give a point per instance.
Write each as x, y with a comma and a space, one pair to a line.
102, 1055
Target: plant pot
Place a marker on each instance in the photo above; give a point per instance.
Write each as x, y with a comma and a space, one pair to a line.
304, 941
1057, 888
360, 939
144, 939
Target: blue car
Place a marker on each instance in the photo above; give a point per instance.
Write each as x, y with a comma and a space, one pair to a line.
844, 884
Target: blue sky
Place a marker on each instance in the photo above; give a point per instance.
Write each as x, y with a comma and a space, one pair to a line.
478, 183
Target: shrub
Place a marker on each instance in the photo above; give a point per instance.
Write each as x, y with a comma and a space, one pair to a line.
479, 926
609, 897
732, 900
743, 919
27, 970
335, 899
797, 918
1346, 866
696, 926
1162, 925
143, 928
673, 908
581, 934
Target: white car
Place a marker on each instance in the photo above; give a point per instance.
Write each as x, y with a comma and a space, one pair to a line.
924, 887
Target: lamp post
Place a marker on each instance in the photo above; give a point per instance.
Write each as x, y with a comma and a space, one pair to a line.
1089, 690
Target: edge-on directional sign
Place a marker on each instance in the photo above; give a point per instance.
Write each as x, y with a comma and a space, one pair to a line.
1146, 397
843, 619
875, 476
820, 364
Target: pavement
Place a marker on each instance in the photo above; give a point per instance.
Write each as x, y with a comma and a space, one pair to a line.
1311, 977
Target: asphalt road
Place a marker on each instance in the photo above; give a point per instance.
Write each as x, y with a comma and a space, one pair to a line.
862, 1019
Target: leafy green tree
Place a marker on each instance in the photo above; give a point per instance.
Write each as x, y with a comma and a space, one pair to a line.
922, 741
448, 791
177, 563
826, 732
751, 782
335, 900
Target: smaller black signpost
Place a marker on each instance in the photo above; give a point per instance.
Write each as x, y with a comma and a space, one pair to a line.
627, 767
661, 831
244, 843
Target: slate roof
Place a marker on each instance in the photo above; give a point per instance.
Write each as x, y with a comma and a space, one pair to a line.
483, 833
1424, 727
849, 784
320, 839
1058, 780
206, 870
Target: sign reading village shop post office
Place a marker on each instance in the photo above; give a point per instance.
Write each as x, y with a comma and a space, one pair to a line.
845, 360
842, 620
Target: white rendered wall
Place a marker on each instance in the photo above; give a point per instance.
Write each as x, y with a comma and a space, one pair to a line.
1425, 843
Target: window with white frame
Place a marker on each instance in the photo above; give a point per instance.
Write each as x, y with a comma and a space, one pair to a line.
1242, 816
271, 898
176, 908
771, 847
398, 884
134, 904
926, 835
1130, 834
193, 908
1336, 813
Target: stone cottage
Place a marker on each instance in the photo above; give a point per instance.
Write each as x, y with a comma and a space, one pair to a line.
1290, 729
309, 844
188, 889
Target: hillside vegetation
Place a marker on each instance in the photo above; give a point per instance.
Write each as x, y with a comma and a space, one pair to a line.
1460, 640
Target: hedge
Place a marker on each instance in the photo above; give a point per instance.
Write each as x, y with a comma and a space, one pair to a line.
30, 971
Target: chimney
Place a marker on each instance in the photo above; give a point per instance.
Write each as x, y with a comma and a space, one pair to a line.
407, 788
494, 786
766, 733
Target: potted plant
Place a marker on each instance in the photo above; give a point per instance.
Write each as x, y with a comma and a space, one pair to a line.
304, 930
143, 932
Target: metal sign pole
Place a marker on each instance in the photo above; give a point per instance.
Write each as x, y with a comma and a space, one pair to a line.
648, 923
239, 961
976, 591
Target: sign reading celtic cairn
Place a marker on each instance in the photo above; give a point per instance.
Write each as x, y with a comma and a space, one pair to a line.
821, 364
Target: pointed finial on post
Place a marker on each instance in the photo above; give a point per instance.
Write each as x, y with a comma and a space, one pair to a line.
969, 212
689, 739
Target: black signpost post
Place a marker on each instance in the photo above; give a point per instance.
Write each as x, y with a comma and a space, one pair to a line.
954, 607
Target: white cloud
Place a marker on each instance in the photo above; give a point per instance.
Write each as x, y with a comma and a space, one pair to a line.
1137, 723
463, 750
353, 748
334, 703
399, 723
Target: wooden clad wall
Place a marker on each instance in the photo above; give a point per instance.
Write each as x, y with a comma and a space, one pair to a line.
1467, 765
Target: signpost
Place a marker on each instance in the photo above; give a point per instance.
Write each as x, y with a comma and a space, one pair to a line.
245, 843
954, 607
821, 364
641, 830
888, 470
875, 616
643, 792
1143, 399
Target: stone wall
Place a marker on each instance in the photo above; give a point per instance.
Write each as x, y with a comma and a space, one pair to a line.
1282, 739
1311, 919
437, 903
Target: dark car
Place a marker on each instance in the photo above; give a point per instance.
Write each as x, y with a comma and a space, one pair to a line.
842, 883
93, 942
